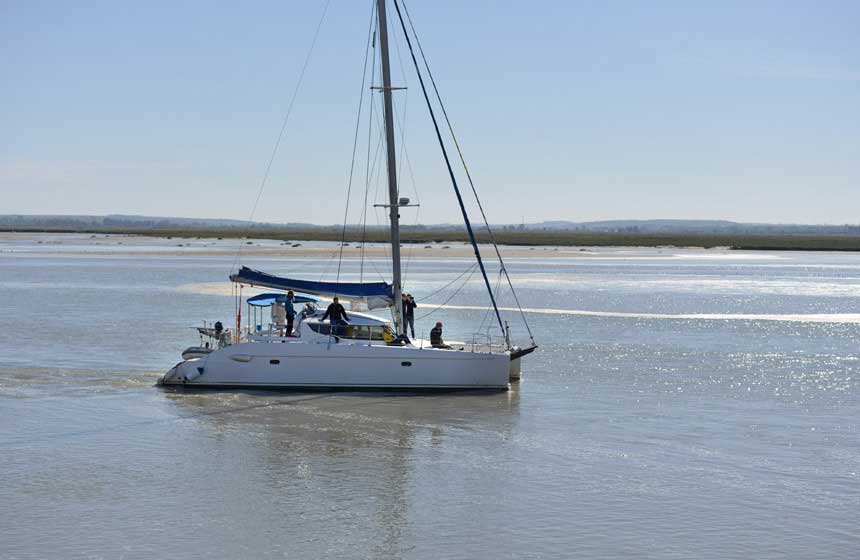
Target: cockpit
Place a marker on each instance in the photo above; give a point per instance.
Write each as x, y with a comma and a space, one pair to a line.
272, 324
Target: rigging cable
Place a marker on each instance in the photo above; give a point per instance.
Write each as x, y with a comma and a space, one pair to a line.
498, 297
450, 169
457, 291
470, 269
465, 167
367, 170
417, 211
400, 116
373, 177
379, 175
400, 121
283, 128
355, 142
404, 153
364, 241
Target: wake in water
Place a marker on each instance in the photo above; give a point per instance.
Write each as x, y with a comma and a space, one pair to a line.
29, 382
223, 289
852, 318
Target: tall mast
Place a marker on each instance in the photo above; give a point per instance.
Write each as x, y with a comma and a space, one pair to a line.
393, 197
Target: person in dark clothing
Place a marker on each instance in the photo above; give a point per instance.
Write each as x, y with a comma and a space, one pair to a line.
220, 334
409, 306
291, 311
436, 337
337, 315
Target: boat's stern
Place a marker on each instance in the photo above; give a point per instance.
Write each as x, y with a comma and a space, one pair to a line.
516, 353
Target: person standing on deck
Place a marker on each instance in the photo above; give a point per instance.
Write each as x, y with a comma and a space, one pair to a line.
337, 315
409, 306
291, 311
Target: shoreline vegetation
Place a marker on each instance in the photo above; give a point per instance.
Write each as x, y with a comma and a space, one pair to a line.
745, 242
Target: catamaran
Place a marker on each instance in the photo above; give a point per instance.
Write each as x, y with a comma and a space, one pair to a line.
368, 352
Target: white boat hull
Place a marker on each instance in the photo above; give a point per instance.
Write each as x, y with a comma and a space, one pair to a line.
342, 366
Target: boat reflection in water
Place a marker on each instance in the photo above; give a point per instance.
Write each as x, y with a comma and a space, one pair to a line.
366, 467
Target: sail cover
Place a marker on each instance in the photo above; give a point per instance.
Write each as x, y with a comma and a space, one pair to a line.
374, 294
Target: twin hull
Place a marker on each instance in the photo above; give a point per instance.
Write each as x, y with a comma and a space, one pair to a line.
303, 365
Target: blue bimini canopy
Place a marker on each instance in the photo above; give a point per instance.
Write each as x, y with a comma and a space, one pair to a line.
265, 300
375, 294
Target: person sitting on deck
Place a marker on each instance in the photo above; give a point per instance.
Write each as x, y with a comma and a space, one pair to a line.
337, 315
436, 337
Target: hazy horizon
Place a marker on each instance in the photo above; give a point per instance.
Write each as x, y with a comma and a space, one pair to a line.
426, 224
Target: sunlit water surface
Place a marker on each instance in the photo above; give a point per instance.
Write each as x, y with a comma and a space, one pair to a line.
683, 404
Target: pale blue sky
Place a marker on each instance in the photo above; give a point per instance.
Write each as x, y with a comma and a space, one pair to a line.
739, 110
